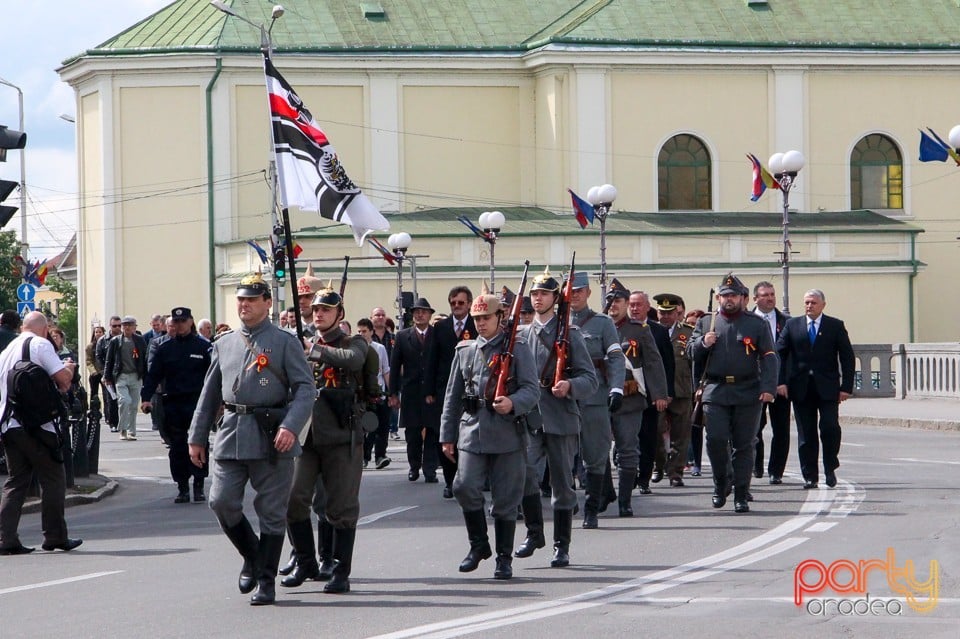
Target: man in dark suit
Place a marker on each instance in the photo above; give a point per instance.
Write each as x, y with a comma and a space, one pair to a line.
409, 391
448, 332
639, 312
765, 298
816, 373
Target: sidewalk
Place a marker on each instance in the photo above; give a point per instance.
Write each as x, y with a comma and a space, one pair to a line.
926, 414
86, 491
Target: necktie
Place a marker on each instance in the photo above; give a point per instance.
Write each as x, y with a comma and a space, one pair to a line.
459, 327
812, 332
421, 336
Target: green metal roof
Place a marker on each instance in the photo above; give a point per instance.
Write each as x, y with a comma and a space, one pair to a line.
315, 26
541, 222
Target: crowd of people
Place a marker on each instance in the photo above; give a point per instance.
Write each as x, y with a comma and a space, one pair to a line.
564, 395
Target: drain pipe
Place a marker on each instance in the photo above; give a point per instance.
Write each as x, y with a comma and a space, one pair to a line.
211, 254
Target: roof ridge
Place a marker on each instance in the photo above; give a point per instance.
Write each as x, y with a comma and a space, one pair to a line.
563, 28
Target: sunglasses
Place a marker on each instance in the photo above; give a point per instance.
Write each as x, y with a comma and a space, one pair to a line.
458, 303
114, 326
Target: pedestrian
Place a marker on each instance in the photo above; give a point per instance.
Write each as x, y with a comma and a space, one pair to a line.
816, 373
333, 449
258, 374
675, 420
35, 450
375, 443
178, 365
111, 412
735, 351
556, 438
489, 431
126, 364
9, 327
94, 368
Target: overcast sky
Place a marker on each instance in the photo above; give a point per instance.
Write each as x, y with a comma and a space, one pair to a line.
39, 35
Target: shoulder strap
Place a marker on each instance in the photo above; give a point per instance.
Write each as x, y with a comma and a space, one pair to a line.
279, 374
586, 318
25, 351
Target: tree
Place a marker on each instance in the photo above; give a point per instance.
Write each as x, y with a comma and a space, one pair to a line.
66, 310
9, 270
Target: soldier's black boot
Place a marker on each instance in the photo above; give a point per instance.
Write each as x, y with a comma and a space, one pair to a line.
720, 492
591, 505
740, 503
533, 518
268, 558
504, 531
562, 530
325, 549
609, 493
301, 536
343, 540
479, 542
627, 479
288, 567
247, 544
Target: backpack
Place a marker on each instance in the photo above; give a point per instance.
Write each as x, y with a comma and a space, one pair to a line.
32, 397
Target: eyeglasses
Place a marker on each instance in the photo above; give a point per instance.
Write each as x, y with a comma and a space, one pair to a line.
458, 302
114, 326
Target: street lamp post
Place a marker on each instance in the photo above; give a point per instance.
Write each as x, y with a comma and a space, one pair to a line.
602, 197
398, 243
785, 167
24, 246
266, 41
491, 222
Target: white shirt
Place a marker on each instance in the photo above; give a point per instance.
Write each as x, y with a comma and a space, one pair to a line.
381, 352
771, 319
42, 353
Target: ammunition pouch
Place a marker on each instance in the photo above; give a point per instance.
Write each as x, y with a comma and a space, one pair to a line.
532, 420
341, 403
269, 420
471, 404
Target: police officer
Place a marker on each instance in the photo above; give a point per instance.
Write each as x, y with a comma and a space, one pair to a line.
675, 420
735, 350
646, 385
603, 346
556, 438
179, 363
489, 432
333, 449
261, 378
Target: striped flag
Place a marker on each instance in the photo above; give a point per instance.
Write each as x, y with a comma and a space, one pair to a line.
935, 149
582, 210
762, 180
309, 171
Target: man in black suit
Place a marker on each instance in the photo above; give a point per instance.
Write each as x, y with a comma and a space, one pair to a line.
639, 312
765, 298
816, 372
448, 332
409, 390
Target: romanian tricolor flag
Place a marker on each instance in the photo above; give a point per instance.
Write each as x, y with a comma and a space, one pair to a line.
762, 180
935, 149
385, 253
582, 210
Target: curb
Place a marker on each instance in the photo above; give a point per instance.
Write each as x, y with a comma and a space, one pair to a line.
901, 422
32, 505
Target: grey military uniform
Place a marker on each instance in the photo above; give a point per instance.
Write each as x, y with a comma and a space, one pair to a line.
640, 350
331, 452
557, 439
603, 347
241, 449
491, 445
742, 364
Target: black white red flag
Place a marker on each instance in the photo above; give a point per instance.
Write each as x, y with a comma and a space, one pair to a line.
309, 172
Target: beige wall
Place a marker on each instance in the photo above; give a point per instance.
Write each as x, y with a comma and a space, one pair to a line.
90, 221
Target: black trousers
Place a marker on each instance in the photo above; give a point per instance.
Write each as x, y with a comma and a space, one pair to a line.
27, 455
648, 444
811, 432
779, 418
423, 449
376, 442
178, 411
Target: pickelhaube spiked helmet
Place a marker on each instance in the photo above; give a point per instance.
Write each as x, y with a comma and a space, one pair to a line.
253, 286
545, 282
326, 296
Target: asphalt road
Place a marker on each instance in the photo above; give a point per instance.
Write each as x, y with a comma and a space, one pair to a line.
151, 568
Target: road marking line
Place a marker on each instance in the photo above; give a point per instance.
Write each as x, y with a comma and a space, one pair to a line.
369, 519
748, 552
926, 461
58, 582
133, 459
821, 526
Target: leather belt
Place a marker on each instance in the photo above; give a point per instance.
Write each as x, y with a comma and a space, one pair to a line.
630, 387
241, 409
730, 379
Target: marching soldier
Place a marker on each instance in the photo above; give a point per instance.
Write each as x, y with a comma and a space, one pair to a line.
489, 433
261, 378
556, 438
675, 420
333, 449
307, 286
735, 350
603, 346
645, 385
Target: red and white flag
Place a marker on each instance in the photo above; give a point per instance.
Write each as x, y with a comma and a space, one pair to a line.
309, 172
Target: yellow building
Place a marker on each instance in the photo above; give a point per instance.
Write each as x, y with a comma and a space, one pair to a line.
439, 109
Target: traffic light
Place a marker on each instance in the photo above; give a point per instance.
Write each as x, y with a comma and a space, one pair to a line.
6, 212
10, 139
279, 262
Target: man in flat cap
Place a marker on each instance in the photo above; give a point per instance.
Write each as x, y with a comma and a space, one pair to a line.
260, 376
179, 364
675, 423
735, 350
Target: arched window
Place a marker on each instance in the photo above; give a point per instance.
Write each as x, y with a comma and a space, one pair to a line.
683, 172
876, 174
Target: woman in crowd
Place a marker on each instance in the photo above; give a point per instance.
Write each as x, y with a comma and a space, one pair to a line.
94, 371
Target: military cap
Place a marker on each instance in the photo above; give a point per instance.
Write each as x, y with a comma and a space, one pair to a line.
618, 290
667, 302
253, 286
326, 296
422, 303
485, 304
545, 282
181, 313
526, 306
731, 285
309, 284
581, 279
